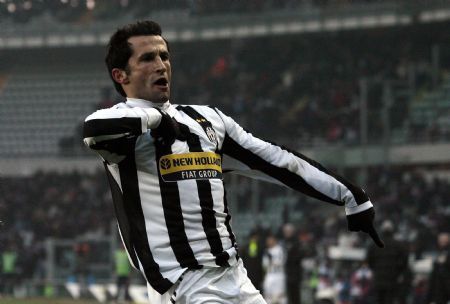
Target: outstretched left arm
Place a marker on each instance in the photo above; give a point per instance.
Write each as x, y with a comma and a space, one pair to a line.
259, 158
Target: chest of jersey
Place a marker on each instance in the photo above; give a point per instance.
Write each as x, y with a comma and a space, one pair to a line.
195, 158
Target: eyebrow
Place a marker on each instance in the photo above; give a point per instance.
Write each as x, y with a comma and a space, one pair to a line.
147, 55
152, 54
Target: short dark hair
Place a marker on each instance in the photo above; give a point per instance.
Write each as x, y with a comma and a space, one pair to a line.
119, 50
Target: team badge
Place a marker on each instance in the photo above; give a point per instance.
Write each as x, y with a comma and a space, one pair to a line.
211, 135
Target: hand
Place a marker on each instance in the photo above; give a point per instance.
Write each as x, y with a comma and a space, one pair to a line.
363, 221
167, 131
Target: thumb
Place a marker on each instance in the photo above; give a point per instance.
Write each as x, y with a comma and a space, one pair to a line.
375, 237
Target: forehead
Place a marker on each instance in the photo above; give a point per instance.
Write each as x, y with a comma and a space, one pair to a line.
142, 44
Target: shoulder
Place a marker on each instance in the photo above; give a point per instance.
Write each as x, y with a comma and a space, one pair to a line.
117, 106
120, 105
199, 108
204, 110
110, 112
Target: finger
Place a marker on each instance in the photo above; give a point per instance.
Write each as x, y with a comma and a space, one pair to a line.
375, 237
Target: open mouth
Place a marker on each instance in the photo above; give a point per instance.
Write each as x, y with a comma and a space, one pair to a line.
161, 82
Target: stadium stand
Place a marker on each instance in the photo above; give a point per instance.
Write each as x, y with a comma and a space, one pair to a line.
70, 11
429, 115
42, 103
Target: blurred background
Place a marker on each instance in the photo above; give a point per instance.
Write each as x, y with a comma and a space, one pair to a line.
361, 86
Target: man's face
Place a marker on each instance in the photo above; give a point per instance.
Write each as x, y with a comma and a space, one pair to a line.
149, 71
271, 241
443, 240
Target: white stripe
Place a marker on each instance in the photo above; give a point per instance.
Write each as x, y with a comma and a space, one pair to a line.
155, 222
114, 170
145, 154
358, 209
126, 250
153, 117
192, 219
149, 117
218, 193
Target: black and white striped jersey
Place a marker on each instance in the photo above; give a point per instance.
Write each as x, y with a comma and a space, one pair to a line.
170, 201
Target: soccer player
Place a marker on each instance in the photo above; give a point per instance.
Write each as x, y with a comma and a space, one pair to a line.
275, 278
165, 163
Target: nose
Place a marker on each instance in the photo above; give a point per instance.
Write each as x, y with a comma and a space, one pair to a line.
160, 67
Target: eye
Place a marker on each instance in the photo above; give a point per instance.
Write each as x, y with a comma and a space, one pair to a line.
165, 56
147, 57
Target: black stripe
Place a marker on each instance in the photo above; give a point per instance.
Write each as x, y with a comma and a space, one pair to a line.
200, 119
111, 126
173, 215
290, 179
120, 146
135, 215
228, 224
206, 199
124, 225
358, 193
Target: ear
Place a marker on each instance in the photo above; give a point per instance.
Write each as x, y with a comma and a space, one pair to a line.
120, 76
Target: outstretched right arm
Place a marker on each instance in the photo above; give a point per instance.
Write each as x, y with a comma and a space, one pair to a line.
112, 132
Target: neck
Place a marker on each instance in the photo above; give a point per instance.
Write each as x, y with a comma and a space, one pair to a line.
137, 102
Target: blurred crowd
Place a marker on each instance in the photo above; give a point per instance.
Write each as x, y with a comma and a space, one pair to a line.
411, 206
88, 11
288, 268
413, 216
309, 85
47, 205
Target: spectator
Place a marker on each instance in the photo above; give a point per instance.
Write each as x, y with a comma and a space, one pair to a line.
274, 285
122, 271
325, 292
82, 251
252, 257
293, 264
361, 282
439, 282
343, 289
9, 271
390, 267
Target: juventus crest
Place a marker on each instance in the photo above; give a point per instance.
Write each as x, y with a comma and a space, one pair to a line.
211, 134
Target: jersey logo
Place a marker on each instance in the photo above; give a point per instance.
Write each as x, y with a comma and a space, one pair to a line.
211, 135
195, 165
165, 164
